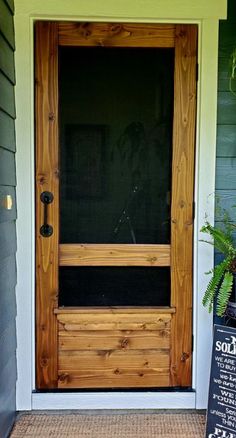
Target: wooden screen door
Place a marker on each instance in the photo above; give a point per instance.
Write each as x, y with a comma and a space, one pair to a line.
115, 109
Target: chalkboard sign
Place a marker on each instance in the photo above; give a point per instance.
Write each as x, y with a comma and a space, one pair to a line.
221, 414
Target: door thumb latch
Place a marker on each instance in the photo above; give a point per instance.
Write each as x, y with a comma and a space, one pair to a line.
46, 230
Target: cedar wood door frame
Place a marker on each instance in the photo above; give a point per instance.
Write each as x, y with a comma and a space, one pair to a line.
184, 38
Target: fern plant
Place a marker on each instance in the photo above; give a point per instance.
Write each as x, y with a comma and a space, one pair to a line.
222, 275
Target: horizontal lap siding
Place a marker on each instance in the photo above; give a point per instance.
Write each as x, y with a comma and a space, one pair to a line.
226, 125
226, 120
7, 221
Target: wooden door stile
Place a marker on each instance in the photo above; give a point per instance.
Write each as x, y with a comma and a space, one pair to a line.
182, 203
47, 179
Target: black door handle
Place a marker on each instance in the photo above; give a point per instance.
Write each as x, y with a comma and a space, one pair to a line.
46, 230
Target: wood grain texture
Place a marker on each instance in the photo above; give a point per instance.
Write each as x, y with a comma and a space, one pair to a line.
182, 202
114, 255
114, 340
116, 35
82, 360
113, 349
7, 96
114, 378
46, 71
7, 132
125, 320
7, 59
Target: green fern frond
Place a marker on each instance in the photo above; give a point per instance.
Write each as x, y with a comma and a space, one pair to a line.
222, 241
213, 284
224, 293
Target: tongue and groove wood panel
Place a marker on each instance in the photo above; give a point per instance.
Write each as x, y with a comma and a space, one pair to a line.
111, 348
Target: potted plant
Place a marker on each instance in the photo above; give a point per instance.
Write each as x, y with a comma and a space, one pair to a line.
222, 285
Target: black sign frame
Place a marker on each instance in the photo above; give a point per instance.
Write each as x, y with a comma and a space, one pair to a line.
221, 413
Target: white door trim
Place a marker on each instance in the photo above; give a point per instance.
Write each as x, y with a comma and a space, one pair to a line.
26, 12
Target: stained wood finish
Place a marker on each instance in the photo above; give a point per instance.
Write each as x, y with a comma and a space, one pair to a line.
82, 363
116, 35
114, 348
182, 203
114, 255
46, 70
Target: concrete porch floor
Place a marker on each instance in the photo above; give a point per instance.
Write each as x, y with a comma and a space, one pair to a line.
110, 424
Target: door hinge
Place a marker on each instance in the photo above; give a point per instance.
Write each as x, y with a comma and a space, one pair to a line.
197, 72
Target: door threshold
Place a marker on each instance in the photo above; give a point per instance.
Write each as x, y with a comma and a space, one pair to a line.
114, 400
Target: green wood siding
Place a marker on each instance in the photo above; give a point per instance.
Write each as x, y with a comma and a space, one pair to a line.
7, 221
226, 120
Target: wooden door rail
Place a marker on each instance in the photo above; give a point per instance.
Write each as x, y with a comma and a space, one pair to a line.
116, 34
114, 255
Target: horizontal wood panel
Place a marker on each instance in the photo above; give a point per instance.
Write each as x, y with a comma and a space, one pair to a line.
114, 255
113, 348
102, 359
114, 378
7, 132
7, 59
6, 23
114, 340
7, 168
5, 214
226, 108
115, 310
102, 317
142, 321
7, 96
116, 35
7, 239
226, 141
225, 173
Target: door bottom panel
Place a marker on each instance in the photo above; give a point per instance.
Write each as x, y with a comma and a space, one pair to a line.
120, 348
